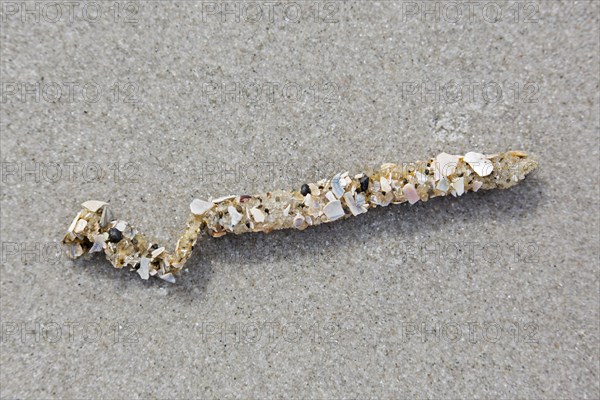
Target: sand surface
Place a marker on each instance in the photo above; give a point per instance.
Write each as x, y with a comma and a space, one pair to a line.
150, 104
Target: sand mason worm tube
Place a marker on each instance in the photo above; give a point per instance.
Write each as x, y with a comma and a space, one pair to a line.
94, 228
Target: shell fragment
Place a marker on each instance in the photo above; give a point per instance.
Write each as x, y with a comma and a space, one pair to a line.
235, 215
445, 165
354, 209
80, 226
411, 193
480, 163
443, 185
459, 185
336, 186
157, 252
106, 217
74, 223
421, 178
144, 270
199, 207
257, 214
385, 185
333, 210
94, 205
298, 221
169, 277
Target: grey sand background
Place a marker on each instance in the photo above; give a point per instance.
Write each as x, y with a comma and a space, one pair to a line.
490, 295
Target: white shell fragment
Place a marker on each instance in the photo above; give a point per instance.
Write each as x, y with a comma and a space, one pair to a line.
286, 211
99, 242
336, 186
121, 225
224, 198
477, 185
443, 185
314, 189
330, 196
354, 209
74, 223
298, 221
346, 180
411, 193
309, 201
94, 205
144, 269
169, 277
199, 207
444, 165
480, 164
106, 217
459, 186
157, 252
257, 214
80, 226
385, 185
235, 215
360, 199
96, 247
333, 210
74, 250
421, 177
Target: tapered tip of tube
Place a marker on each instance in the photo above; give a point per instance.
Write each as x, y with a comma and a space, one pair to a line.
526, 163
513, 166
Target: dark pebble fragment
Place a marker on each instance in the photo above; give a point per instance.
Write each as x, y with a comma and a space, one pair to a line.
114, 235
364, 183
304, 190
